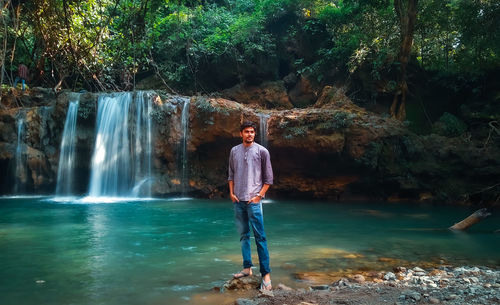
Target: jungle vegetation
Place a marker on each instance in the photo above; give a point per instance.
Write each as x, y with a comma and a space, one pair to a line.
398, 53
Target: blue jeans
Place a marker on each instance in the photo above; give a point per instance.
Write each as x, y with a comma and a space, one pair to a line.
17, 80
246, 215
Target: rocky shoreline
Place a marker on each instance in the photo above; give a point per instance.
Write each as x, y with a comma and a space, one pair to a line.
444, 285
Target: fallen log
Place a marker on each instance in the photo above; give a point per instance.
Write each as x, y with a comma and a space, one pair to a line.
474, 218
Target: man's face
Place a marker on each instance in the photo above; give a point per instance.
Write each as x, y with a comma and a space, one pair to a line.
248, 135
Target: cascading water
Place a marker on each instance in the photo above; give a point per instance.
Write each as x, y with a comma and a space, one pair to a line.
65, 171
184, 160
263, 129
21, 174
121, 161
143, 146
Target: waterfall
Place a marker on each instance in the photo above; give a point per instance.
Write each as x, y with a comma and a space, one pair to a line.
263, 129
21, 174
121, 161
184, 159
143, 146
65, 170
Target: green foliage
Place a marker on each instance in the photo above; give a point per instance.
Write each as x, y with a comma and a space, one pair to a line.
343, 119
211, 45
449, 125
205, 107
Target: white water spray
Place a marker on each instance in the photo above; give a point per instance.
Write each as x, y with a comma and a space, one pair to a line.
65, 170
121, 161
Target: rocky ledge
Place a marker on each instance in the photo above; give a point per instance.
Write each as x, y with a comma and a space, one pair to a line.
332, 149
445, 285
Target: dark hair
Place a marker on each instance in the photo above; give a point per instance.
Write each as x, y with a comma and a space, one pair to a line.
247, 124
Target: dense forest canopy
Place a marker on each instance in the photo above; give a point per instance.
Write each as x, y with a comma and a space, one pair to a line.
378, 48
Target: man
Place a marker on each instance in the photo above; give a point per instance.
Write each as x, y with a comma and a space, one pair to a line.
250, 175
22, 74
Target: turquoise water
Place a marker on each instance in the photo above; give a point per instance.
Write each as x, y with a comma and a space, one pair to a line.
169, 251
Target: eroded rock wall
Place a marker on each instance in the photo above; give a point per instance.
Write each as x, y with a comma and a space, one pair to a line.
333, 150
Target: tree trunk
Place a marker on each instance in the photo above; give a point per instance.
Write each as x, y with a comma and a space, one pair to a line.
406, 10
474, 218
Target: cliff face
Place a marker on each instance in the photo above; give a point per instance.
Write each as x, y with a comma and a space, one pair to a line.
333, 149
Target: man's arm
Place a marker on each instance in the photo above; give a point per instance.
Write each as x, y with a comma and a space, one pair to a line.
231, 192
230, 179
262, 194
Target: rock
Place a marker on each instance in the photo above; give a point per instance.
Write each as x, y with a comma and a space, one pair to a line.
433, 300
244, 283
284, 287
341, 283
332, 96
319, 287
437, 272
302, 94
451, 297
399, 269
415, 296
242, 301
266, 293
266, 95
389, 276
358, 278
418, 269
290, 80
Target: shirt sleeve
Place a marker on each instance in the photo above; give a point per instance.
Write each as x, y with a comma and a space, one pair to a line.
267, 169
230, 176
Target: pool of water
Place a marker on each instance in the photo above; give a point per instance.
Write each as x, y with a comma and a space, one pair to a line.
168, 251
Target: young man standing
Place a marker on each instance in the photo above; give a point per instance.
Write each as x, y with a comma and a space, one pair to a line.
250, 175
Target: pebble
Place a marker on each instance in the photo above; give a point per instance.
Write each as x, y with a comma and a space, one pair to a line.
358, 278
415, 296
320, 287
454, 286
452, 297
267, 293
284, 287
399, 269
389, 276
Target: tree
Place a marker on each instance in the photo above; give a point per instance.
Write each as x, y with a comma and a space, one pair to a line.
406, 11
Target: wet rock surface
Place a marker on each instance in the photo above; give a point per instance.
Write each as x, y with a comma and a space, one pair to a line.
447, 285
